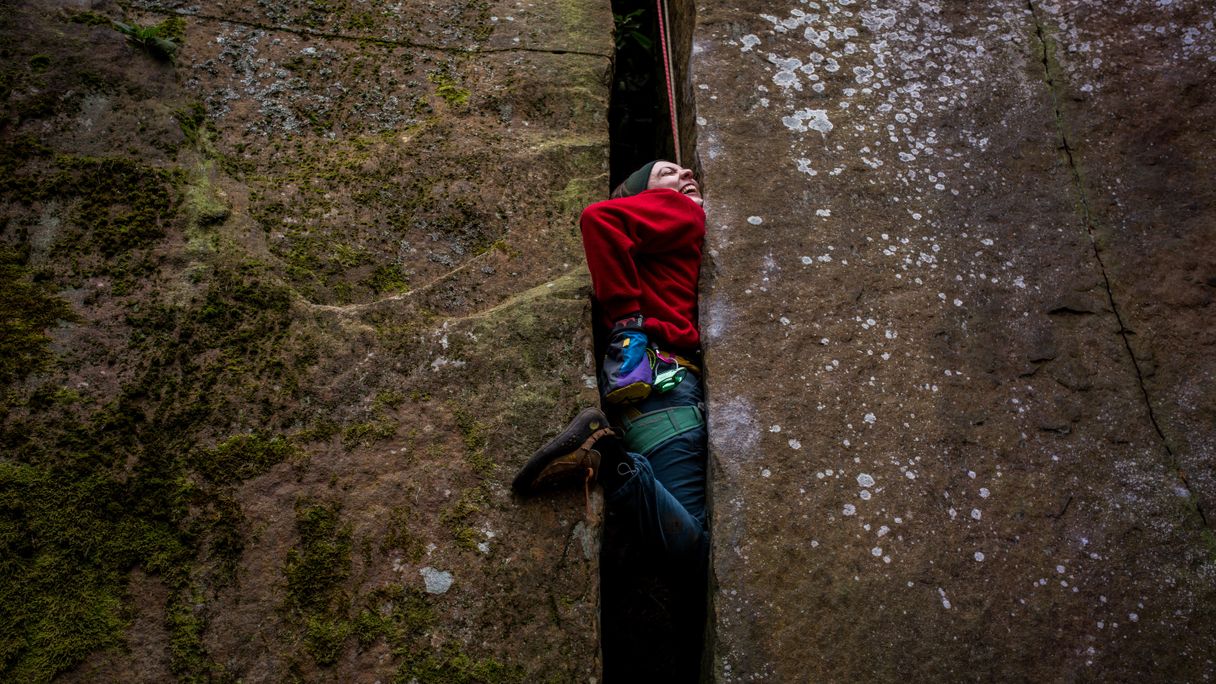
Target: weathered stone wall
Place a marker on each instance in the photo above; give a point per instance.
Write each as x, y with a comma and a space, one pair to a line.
311, 291
958, 326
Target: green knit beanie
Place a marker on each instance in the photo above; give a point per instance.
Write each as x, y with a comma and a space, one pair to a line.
639, 180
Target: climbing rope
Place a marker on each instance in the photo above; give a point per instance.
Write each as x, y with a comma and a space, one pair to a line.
671, 97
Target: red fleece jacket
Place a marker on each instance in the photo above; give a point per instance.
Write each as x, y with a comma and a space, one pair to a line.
644, 253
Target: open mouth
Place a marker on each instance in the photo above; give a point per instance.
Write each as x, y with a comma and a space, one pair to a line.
690, 189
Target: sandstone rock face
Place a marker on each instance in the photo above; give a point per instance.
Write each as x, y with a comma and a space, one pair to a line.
284, 311
957, 319
1132, 89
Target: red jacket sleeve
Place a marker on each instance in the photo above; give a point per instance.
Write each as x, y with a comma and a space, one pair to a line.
610, 241
617, 231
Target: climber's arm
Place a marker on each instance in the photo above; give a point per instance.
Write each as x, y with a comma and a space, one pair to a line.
611, 243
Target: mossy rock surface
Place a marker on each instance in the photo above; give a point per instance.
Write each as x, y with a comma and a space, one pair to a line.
281, 316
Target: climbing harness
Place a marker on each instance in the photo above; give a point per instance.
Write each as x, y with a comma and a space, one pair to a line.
671, 97
646, 431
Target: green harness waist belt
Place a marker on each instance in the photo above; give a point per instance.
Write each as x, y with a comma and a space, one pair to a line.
649, 430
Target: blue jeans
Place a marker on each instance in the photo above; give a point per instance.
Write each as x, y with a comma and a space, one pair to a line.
665, 497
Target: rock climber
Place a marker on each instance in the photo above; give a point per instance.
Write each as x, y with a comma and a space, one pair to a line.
647, 451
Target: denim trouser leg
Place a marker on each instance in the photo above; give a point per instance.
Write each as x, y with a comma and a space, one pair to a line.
666, 495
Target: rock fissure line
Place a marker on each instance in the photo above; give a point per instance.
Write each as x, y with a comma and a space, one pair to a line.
379, 41
353, 308
1087, 219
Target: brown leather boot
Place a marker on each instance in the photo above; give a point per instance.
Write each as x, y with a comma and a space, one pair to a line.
568, 457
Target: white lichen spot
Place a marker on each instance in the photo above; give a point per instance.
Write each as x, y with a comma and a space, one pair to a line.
587, 538
786, 79
984, 493
876, 551
869, 418
755, 220
795, 444
865, 480
975, 514
979, 556
749, 41
444, 362
945, 601
808, 119
436, 581
774, 428
848, 509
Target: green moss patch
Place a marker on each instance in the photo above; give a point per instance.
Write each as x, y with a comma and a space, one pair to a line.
394, 614
318, 264
162, 40
88, 18
451, 666
241, 457
90, 491
27, 309
388, 278
121, 204
367, 432
448, 87
115, 204
404, 619
69, 535
474, 432
315, 572
225, 350
399, 537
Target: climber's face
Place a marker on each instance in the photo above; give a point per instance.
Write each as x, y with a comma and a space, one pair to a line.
672, 176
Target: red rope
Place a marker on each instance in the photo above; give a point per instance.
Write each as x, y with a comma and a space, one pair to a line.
671, 97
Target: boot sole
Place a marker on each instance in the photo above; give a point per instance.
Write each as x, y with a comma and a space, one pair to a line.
583, 426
